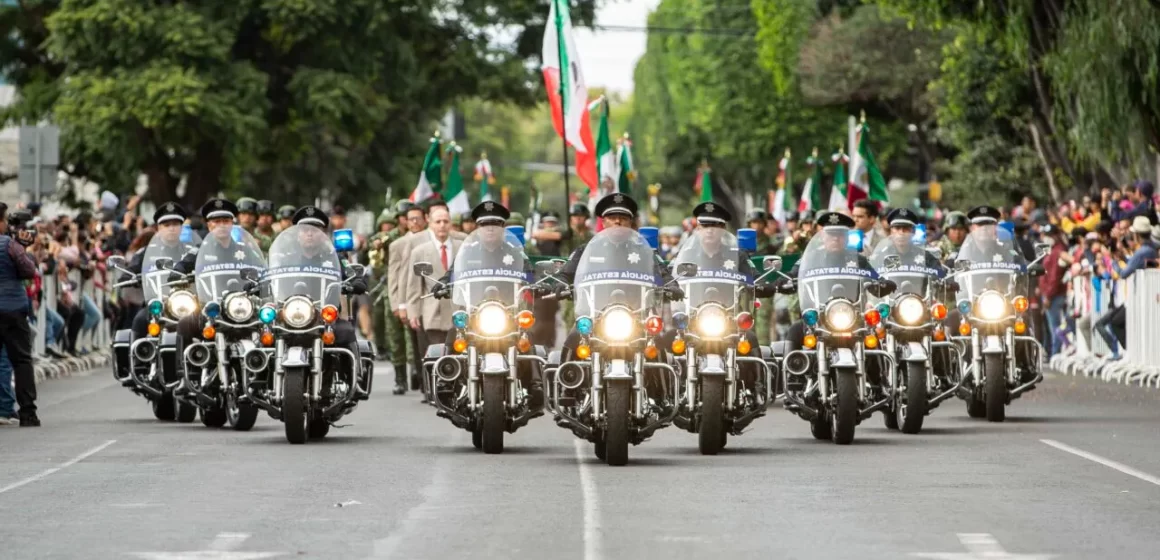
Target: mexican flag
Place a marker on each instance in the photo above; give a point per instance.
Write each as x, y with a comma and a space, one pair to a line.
627, 173
783, 200
704, 183
838, 191
455, 196
812, 190
605, 156
484, 177
568, 93
430, 177
866, 179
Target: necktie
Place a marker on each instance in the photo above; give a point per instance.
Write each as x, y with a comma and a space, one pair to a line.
443, 255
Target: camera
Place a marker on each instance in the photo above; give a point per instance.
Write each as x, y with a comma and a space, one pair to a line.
19, 221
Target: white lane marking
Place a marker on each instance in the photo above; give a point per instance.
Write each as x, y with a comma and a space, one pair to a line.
591, 504
981, 546
222, 548
1103, 461
64, 465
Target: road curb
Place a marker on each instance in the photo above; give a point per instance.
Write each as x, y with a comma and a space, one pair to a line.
69, 367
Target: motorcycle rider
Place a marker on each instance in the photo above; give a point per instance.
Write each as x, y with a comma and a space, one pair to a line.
219, 216
169, 219
617, 210
902, 222
490, 245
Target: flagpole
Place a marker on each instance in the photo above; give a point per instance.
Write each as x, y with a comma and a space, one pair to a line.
563, 113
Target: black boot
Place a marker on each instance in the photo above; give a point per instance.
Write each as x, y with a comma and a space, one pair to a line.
29, 420
400, 389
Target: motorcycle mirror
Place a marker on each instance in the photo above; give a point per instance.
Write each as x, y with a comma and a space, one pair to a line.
546, 267
115, 261
892, 261
686, 270
357, 270
962, 266
771, 263
163, 263
1042, 249
423, 269
934, 252
250, 274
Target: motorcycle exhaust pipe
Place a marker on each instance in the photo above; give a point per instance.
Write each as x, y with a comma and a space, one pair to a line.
256, 360
145, 351
448, 368
797, 362
570, 376
197, 355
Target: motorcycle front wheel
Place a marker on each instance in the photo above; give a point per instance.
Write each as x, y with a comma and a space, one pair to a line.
711, 432
295, 417
845, 416
494, 415
996, 388
617, 409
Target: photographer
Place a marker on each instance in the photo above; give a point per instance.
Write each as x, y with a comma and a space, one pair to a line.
16, 266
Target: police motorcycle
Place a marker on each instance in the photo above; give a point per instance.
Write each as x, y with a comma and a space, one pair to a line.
615, 389
727, 384
228, 266
910, 330
149, 366
1002, 358
484, 382
826, 378
297, 374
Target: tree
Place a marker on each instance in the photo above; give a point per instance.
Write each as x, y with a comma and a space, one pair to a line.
284, 97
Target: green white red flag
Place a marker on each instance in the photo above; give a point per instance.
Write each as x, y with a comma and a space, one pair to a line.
567, 91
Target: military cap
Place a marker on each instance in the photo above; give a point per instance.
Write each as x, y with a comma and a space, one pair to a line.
756, 215
219, 208
386, 216
711, 213
616, 204
170, 211
404, 206
457, 219
807, 216
984, 215
490, 213
247, 204
835, 220
902, 217
286, 212
311, 216
955, 219
516, 219
579, 209
265, 208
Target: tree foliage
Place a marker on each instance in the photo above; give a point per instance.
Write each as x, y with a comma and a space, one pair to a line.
290, 99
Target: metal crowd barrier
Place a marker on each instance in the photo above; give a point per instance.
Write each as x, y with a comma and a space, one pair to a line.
96, 340
1140, 362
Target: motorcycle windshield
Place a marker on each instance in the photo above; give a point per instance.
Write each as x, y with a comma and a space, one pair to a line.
224, 253
491, 266
719, 278
618, 267
169, 242
911, 274
989, 260
829, 269
303, 262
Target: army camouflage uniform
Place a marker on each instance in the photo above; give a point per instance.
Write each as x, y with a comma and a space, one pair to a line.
377, 260
399, 344
765, 331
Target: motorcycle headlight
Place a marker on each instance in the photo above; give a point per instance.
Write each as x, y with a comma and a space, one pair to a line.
617, 325
841, 316
239, 308
298, 312
492, 319
990, 306
910, 310
181, 304
712, 322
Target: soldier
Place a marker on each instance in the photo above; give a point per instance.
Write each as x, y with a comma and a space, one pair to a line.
285, 217
457, 222
954, 233
577, 236
759, 220
377, 261
544, 331
265, 233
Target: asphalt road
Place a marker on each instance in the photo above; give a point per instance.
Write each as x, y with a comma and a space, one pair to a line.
1074, 473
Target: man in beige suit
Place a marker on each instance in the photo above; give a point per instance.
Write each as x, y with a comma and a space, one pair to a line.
438, 247
398, 265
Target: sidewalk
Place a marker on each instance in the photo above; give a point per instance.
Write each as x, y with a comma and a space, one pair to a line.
52, 368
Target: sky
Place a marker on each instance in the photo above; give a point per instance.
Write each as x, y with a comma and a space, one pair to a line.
609, 57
